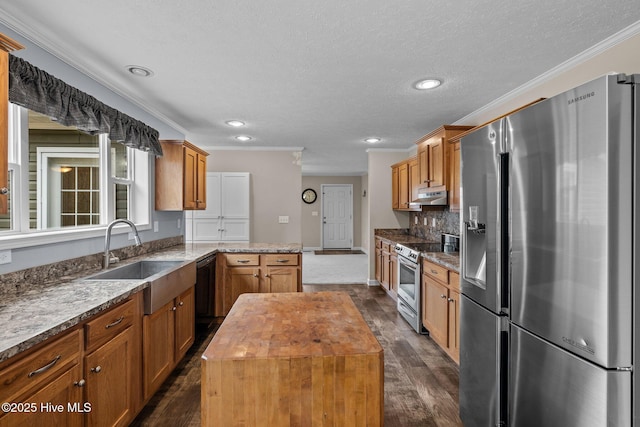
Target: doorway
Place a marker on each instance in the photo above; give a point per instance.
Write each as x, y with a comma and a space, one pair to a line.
337, 216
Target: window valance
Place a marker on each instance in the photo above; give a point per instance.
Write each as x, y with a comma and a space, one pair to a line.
39, 91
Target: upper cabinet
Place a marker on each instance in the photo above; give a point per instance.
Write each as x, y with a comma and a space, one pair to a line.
433, 156
181, 177
6, 45
405, 181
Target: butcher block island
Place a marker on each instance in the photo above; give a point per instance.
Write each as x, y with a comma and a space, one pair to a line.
293, 359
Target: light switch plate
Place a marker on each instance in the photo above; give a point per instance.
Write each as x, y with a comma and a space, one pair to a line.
415, 220
424, 221
283, 219
314, 213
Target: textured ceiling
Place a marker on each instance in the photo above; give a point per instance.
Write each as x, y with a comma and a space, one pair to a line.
322, 75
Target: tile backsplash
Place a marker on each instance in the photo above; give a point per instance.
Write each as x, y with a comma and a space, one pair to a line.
445, 222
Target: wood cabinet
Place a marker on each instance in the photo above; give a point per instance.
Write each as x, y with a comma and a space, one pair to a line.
454, 170
167, 335
386, 265
181, 177
433, 156
240, 273
440, 307
6, 45
404, 180
51, 374
112, 365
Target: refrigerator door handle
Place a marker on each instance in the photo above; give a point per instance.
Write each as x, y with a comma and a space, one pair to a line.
502, 238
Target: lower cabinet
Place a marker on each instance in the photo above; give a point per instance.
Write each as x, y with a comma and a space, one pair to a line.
167, 335
386, 266
239, 273
40, 386
89, 376
112, 369
441, 307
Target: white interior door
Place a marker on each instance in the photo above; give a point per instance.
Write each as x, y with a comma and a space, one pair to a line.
337, 216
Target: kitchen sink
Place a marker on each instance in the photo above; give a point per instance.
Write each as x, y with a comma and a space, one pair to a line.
167, 279
136, 271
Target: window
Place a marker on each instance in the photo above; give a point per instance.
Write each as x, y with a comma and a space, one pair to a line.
70, 180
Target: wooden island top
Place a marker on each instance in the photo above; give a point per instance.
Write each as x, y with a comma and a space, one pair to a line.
283, 359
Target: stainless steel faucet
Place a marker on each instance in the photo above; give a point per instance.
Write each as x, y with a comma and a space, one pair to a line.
107, 239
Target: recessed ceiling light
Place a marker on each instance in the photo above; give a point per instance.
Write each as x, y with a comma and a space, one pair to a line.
235, 123
427, 84
139, 71
372, 140
243, 138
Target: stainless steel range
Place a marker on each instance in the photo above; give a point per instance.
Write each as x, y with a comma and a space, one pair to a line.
409, 271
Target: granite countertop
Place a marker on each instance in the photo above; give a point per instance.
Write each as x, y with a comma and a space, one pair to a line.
40, 312
450, 260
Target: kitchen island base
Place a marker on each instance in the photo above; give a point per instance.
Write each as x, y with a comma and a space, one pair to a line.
293, 359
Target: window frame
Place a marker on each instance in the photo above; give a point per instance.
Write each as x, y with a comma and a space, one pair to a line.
139, 182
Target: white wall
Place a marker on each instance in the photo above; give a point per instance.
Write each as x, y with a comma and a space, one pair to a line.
276, 186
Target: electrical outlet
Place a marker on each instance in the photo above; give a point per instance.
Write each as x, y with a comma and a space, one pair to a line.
433, 222
179, 222
283, 219
5, 256
424, 221
415, 220
155, 226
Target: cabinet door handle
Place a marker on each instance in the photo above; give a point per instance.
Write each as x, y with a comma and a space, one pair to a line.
45, 367
117, 322
443, 296
97, 369
4, 190
174, 308
256, 275
181, 303
243, 261
266, 275
450, 300
80, 383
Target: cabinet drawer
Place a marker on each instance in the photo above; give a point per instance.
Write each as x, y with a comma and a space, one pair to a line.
40, 367
109, 324
435, 271
454, 280
281, 259
242, 259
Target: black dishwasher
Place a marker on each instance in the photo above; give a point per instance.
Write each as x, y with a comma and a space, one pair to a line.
205, 289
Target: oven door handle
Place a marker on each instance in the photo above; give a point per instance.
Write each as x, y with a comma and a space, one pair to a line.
412, 265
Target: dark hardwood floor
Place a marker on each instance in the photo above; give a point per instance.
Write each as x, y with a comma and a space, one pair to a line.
420, 381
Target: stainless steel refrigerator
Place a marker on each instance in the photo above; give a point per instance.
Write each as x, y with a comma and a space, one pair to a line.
549, 234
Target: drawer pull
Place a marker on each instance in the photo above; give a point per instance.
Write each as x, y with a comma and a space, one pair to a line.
117, 322
243, 261
434, 272
45, 367
282, 260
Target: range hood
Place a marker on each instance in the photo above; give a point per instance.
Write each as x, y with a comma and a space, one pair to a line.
434, 196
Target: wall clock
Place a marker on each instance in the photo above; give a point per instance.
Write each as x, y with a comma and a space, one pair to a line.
309, 196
